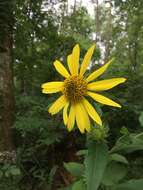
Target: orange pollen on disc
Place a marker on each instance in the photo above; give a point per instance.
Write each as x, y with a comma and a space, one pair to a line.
75, 87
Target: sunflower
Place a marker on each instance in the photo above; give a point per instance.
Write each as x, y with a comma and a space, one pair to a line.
76, 88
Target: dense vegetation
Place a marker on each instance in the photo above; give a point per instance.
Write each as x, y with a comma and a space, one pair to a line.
35, 148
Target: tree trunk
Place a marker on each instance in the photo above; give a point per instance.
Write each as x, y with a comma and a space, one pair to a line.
75, 4
97, 20
7, 93
109, 35
6, 78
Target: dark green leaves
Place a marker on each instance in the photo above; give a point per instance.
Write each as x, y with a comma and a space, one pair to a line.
74, 168
141, 119
114, 173
128, 143
118, 158
79, 185
95, 163
130, 185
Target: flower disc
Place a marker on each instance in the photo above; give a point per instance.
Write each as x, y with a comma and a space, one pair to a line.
75, 87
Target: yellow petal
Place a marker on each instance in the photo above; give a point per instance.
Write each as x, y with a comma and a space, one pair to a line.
70, 65
73, 60
58, 105
98, 72
87, 59
71, 119
65, 115
52, 87
105, 84
103, 100
61, 69
82, 118
91, 111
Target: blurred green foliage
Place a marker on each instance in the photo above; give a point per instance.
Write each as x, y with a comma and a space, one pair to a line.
45, 31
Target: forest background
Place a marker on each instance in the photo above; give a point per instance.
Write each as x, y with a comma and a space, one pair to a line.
33, 33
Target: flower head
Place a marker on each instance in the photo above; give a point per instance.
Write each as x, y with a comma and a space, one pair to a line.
76, 88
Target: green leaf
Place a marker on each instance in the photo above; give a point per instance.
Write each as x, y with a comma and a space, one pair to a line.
95, 163
1, 174
15, 171
141, 119
128, 143
76, 169
81, 152
51, 176
130, 185
7, 173
124, 131
118, 158
79, 185
114, 173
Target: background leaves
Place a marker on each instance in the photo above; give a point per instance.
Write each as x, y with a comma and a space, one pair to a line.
47, 30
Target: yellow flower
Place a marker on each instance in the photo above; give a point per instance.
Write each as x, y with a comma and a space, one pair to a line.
75, 88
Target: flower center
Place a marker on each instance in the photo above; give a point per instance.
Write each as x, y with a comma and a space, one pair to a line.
75, 88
